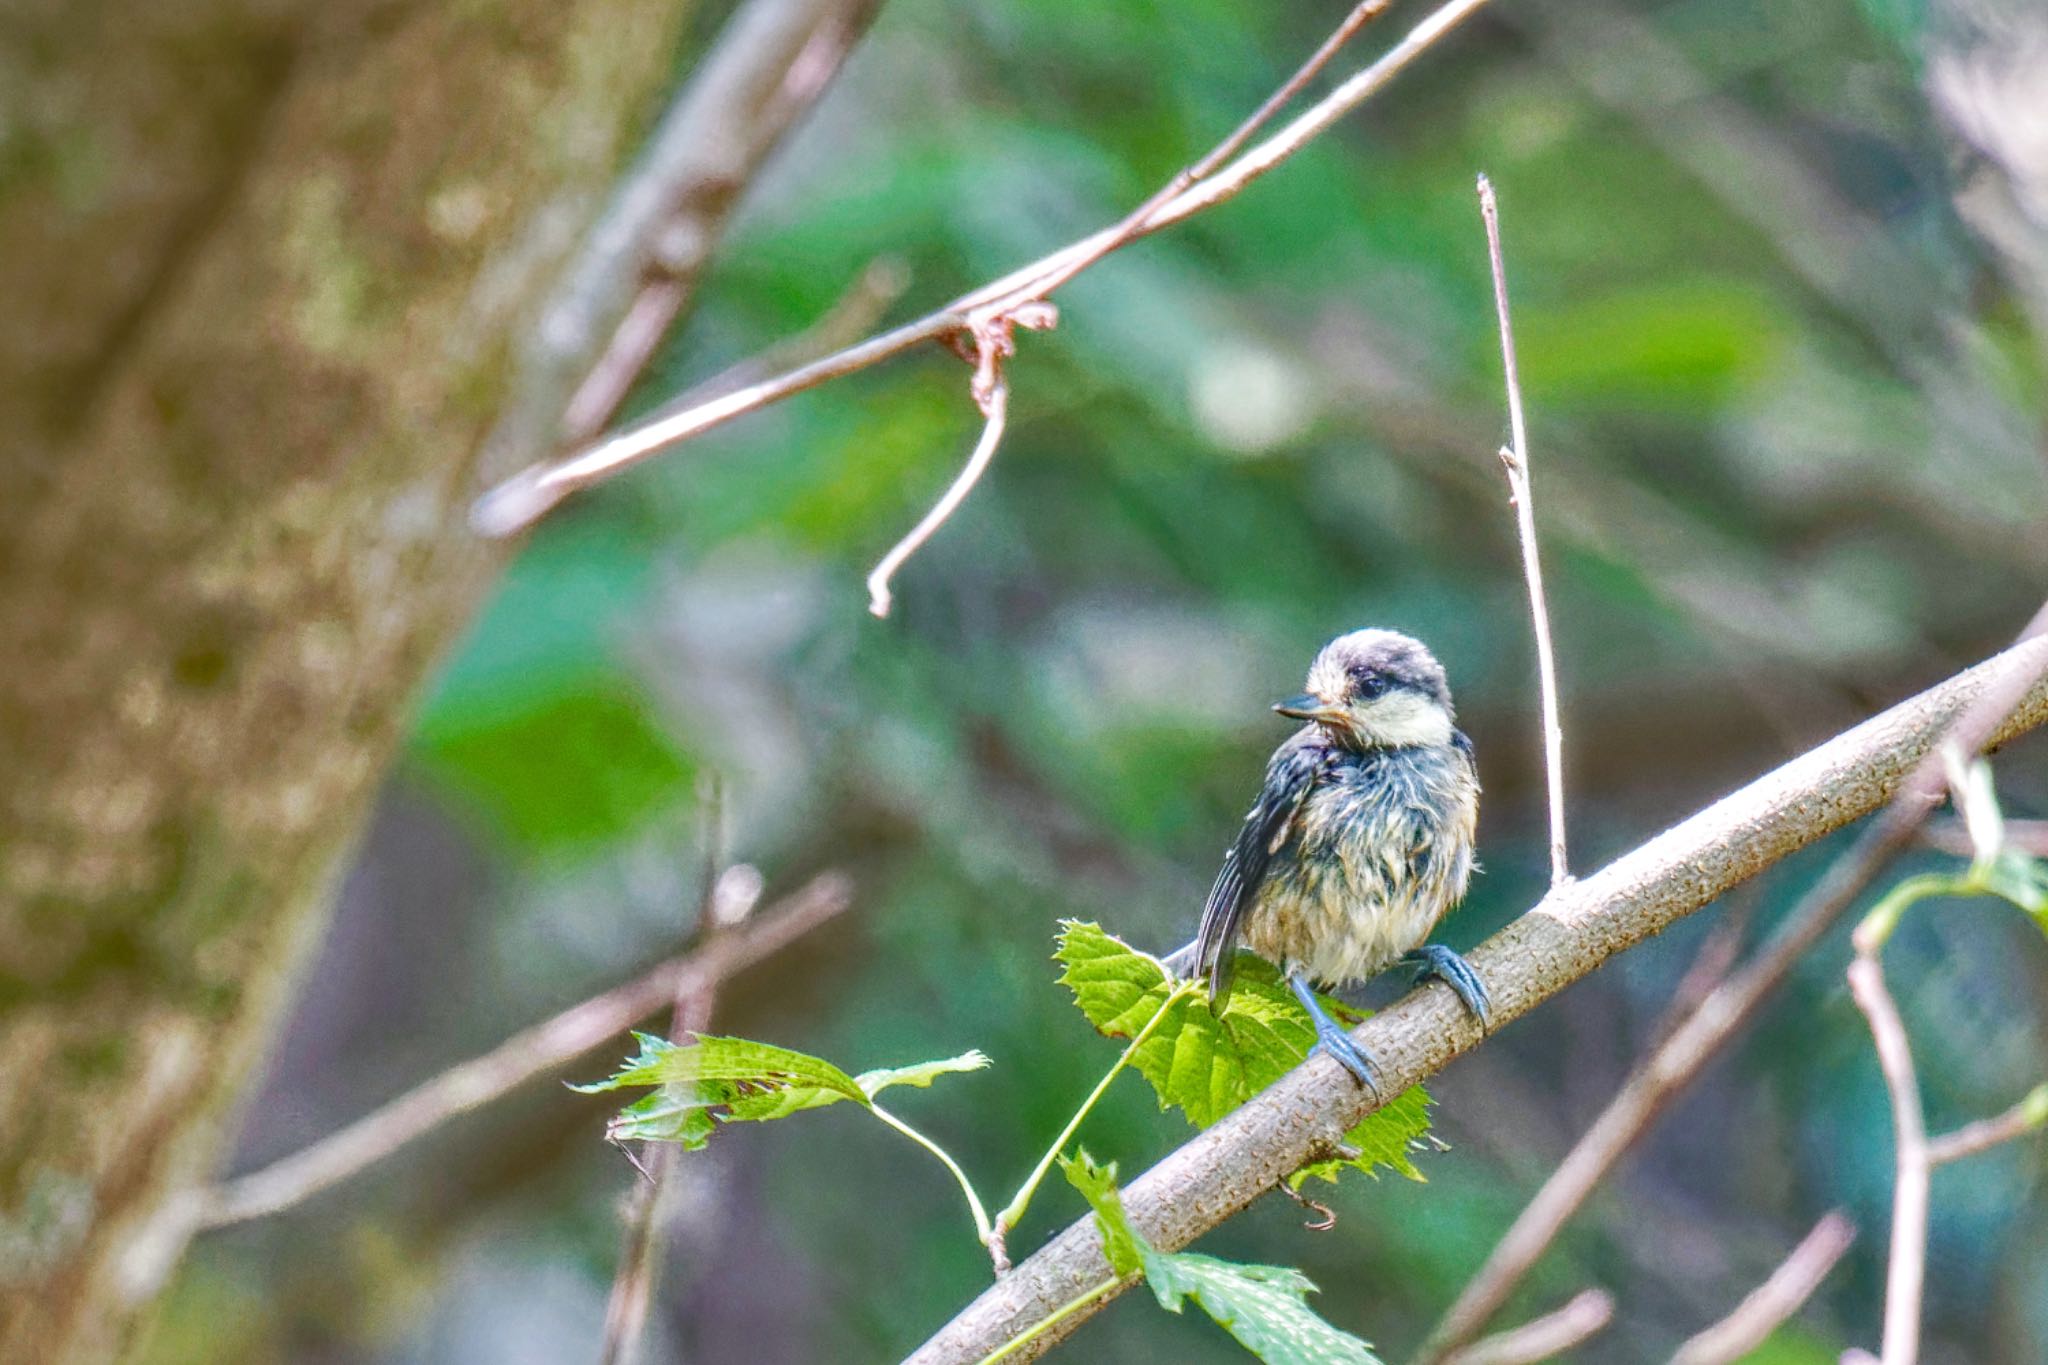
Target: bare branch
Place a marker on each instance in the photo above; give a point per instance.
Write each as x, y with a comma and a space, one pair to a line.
770, 64
1072, 263
1574, 929
524, 1056
1675, 1062
2030, 1115
2023, 836
1554, 1333
1775, 1300
1906, 1274
526, 497
1515, 458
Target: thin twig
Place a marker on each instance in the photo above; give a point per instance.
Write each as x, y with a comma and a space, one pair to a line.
728, 895
524, 498
2030, 1115
1556, 1332
2022, 836
1576, 928
1514, 457
1134, 224
1674, 1064
1325, 1216
1906, 1273
996, 412
1708, 969
524, 1056
877, 288
772, 61
1775, 1300
989, 322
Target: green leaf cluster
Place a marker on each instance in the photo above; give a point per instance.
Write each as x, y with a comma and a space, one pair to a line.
1206, 1062
1264, 1306
736, 1080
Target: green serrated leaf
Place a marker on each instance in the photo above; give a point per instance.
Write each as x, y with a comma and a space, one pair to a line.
920, 1074
674, 1113
1207, 1063
1121, 1245
733, 1071
1264, 1306
736, 1080
1388, 1143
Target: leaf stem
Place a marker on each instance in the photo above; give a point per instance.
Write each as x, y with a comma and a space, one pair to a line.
1012, 1214
1051, 1320
981, 1223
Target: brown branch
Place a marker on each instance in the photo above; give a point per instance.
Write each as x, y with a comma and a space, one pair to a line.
1589, 1311
523, 499
1775, 1300
1575, 929
771, 63
524, 1056
1679, 1059
2030, 1115
1912, 1173
1071, 263
1514, 457
2022, 836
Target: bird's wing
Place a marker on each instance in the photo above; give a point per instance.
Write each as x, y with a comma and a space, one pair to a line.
1290, 777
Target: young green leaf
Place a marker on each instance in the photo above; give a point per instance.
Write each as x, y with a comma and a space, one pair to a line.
922, 1074
739, 1080
1208, 1062
1264, 1306
1121, 1246
674, 1113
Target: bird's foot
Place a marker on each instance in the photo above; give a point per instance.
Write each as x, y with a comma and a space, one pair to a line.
1331, 1037
1433, 961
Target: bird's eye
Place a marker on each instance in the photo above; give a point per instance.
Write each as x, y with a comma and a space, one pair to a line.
1369, 686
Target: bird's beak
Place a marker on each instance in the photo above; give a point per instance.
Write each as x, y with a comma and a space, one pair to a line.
1308, 706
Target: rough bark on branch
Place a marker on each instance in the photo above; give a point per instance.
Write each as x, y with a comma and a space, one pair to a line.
1567, 935
271, 270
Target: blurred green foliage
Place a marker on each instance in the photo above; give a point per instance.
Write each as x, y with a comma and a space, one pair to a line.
1786, 430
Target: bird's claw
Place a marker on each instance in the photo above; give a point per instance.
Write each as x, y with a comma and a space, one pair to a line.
1332, 1038
1434, 962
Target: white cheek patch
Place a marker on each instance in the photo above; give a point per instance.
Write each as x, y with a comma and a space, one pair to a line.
1404, 718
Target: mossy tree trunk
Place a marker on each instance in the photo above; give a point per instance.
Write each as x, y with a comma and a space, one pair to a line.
267, 266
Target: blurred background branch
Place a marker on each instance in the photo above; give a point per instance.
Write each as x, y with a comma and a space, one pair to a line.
525, 1056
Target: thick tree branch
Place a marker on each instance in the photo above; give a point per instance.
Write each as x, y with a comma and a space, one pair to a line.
1572, 931
1700, 1035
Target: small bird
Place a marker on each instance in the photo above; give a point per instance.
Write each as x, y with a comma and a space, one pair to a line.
1360, 840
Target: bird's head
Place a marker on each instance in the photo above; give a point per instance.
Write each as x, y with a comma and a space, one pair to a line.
1376, 689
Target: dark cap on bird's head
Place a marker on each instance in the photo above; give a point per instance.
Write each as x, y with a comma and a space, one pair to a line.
1376, 687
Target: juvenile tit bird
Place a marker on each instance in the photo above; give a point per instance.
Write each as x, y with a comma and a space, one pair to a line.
1360, 840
